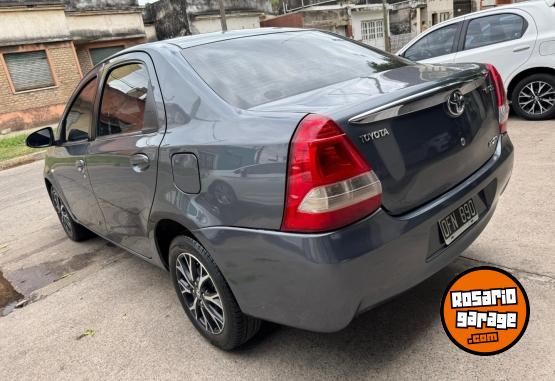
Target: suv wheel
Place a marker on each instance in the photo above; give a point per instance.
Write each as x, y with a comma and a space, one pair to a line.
206, 296
534, 97
73, 230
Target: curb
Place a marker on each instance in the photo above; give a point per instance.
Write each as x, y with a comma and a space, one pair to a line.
25, 159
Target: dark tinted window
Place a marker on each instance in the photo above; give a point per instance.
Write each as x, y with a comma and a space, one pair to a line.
254, 70
123, 100
493, 29
78, 120
434, 44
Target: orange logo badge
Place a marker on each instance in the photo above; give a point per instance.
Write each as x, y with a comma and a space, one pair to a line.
485, 311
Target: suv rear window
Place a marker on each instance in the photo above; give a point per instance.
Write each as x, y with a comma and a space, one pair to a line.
250, 71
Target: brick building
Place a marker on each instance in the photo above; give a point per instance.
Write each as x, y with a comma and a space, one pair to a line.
47, 45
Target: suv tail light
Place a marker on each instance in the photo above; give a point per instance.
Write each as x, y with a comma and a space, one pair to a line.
329, 184
501, 95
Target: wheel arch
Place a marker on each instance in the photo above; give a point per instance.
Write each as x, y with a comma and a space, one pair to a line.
165, 231
525, 73
48, 184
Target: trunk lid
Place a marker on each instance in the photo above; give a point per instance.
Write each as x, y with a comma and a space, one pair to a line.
399, 120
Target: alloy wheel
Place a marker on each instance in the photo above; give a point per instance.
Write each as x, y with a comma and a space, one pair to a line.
62, 212
200, 293
537, 98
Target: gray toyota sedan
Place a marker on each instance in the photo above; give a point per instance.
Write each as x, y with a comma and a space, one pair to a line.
287, 175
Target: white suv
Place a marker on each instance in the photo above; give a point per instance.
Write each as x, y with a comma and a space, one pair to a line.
518, 39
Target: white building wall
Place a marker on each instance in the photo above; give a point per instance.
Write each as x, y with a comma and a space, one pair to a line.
366, 15
84, 25
30, 25
439, 7
207, 24
150, 32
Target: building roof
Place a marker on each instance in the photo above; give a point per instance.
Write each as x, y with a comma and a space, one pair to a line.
75, 5
12, 3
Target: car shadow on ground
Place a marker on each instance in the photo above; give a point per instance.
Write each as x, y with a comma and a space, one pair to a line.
373, 339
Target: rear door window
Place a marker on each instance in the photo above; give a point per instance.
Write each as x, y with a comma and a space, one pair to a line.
124, 96
437, 43
494, 29
250, 71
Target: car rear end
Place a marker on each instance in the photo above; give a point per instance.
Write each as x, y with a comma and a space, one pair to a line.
390, 177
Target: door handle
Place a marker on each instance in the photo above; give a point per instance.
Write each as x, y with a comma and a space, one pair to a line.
80, 165
139, 162
521, 48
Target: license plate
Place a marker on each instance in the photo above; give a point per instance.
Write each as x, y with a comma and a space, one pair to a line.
458, 221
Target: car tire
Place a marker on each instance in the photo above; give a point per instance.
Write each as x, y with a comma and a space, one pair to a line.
526, 106
206, 297
73, 230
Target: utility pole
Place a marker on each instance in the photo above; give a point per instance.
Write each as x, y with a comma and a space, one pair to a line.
222, 16
189, 31
386, 26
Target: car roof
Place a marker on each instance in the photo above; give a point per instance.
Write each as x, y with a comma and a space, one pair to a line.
208, 38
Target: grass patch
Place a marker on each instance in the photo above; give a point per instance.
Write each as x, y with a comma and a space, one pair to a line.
14, 146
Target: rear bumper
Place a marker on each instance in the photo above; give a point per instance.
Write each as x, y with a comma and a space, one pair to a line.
320, 282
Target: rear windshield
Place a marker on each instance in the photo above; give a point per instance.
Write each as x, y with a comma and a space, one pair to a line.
250, 71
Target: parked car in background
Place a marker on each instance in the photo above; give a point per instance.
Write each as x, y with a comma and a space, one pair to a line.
287, 175
518, 39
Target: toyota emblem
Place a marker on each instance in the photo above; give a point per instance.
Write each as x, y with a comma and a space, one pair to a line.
455, 104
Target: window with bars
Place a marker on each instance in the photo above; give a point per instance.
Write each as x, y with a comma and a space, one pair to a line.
29, 70
371, 29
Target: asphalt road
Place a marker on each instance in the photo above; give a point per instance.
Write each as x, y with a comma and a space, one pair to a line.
140, 331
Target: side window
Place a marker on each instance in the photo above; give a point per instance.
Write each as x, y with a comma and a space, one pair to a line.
494, 29
434, 44
77, 125
122, 109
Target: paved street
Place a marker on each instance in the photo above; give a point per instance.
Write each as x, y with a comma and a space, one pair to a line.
140, 331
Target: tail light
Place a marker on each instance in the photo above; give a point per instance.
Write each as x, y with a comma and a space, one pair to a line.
329, 183
501, 95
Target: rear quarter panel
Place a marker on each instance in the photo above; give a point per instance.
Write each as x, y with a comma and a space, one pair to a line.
241, 155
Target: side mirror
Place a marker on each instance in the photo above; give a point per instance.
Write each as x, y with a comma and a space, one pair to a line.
41, 138
77, 134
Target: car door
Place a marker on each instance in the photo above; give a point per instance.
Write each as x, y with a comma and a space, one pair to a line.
123, 159
436, 46
505, 40
67, 161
